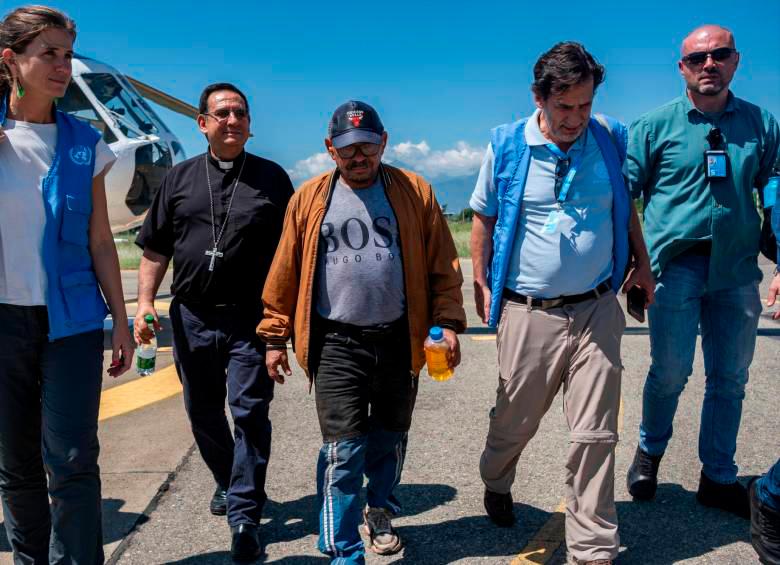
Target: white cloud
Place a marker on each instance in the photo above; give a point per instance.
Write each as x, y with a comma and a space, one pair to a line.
307, 168
463, 159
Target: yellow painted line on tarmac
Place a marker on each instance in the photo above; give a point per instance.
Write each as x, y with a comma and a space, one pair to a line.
483, 338
139, 393
541, 547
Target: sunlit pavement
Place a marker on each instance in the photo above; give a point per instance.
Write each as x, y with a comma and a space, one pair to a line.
156, 488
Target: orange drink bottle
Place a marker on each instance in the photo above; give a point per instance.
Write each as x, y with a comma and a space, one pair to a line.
436, 350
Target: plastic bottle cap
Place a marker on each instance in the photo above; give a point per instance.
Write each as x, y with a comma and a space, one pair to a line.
149, 319
436, 333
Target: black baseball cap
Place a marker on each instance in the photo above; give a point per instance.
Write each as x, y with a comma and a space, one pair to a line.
355, 122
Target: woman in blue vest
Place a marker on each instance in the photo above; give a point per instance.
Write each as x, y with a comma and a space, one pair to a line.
56, 256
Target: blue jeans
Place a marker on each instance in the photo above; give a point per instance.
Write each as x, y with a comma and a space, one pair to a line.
728, 320
768, 487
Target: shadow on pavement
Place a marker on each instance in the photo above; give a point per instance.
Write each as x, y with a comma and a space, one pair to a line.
117, 524
223, 557
470, 536
674, 527
300, 518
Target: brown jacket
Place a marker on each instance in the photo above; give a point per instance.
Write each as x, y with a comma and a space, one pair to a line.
431, 269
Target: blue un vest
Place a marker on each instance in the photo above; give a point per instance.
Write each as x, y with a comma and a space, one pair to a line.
73, 299
510, 169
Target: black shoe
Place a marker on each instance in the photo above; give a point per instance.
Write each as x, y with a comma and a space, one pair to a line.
642, 479
218, 504
732, 497
764, 528
499, 508
246, 543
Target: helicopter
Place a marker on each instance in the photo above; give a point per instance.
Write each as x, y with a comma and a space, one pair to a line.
116, 105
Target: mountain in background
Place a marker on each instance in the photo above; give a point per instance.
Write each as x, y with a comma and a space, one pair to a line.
453, 193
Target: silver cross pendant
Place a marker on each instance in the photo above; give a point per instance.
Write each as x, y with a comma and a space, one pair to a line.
213, 253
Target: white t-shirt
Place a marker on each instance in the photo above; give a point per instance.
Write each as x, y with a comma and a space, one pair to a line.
25, 159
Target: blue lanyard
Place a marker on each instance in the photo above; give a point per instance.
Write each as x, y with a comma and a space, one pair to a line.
572, 172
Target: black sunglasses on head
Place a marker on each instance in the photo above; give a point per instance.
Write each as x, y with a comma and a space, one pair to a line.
699, 57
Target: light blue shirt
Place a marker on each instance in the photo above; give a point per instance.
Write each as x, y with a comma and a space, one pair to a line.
577, 255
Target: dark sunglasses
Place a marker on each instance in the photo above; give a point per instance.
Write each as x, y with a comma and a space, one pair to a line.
699, 57
714, 138
367, 149
222, 114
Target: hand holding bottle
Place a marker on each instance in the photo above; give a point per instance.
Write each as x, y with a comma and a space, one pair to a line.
442, 353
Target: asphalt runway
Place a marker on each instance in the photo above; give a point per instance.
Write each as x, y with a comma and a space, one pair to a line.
156, 488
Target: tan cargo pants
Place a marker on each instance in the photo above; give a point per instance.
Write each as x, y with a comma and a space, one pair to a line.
577, 346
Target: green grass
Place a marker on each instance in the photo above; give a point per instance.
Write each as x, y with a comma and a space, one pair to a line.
129, 252
461, 232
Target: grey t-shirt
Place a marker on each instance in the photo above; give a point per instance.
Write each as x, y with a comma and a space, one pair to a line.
359, 271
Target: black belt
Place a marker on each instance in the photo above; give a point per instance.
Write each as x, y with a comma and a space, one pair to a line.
373, 332
701, 248
546, 303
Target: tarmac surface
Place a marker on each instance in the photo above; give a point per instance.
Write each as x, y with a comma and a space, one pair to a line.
156, 488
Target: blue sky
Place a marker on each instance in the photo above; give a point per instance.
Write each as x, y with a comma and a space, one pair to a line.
441, 74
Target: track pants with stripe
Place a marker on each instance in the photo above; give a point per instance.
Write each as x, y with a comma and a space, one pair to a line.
365, 395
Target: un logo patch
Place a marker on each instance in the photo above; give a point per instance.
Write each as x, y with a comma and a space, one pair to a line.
81, 154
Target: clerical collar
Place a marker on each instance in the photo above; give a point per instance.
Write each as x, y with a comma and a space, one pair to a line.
224, 165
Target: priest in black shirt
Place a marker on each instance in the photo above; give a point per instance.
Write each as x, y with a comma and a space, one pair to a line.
219, 216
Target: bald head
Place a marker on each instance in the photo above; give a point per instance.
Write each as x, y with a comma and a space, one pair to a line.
706, 37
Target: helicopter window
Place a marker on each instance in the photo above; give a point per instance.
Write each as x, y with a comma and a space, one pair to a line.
125, 106
78, 105
145, 105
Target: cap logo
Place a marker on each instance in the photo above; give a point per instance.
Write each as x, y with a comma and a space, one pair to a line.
355, 116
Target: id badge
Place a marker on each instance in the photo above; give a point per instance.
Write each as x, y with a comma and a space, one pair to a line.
716, 164
551, 224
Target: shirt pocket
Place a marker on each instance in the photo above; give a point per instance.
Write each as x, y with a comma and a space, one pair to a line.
75, 220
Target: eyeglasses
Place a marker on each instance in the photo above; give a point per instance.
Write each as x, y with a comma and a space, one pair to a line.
367, 149
699, 57
222, 114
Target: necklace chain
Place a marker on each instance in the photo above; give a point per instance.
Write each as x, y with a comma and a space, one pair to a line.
218, 237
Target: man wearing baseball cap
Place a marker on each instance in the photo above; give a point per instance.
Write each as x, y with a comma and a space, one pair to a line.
366, 264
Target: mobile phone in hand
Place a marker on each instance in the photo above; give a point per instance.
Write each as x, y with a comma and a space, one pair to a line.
636, 301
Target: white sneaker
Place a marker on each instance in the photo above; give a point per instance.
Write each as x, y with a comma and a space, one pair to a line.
383, 539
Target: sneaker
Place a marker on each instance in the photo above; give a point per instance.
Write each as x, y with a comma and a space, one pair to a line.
764, 527
499, 508
732, 497
383, 540
642, 479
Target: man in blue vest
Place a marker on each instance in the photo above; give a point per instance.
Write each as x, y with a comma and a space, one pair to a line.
696, 161
553, 211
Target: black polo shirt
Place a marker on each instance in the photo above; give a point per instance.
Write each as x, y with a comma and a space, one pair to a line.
178, 225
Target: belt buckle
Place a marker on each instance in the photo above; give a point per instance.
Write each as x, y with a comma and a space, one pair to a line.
552, 303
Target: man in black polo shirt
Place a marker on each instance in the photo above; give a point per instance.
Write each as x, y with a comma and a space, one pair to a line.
219, 216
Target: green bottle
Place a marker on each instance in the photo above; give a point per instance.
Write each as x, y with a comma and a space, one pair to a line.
146, 353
